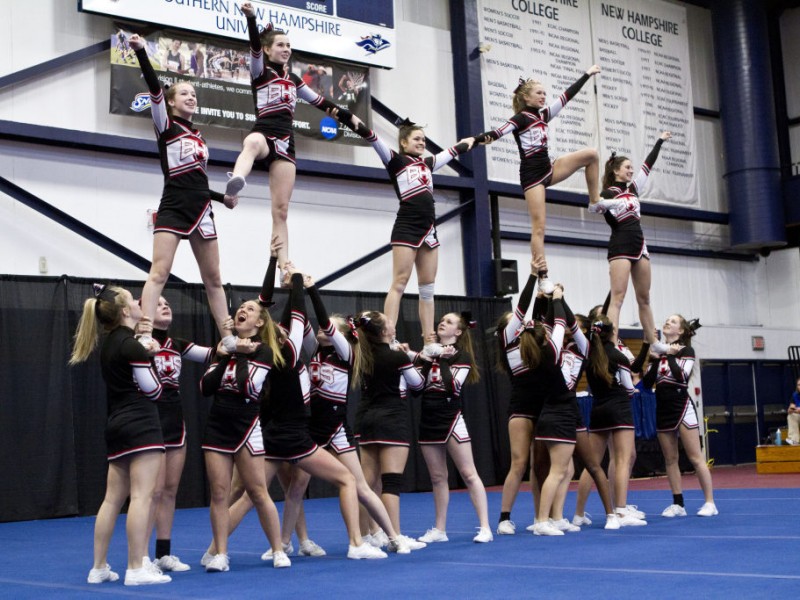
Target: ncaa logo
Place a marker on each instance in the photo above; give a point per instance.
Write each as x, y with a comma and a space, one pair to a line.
141, 102
329, 128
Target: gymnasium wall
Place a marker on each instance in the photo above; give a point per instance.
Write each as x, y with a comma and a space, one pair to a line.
333, 222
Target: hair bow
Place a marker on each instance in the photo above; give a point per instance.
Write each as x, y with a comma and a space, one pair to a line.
520, 84
102, 292
466, 316
613, 155
404, 123
694, 325
268, 27
352, 325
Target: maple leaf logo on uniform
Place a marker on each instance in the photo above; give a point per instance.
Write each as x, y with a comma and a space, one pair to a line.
373, 43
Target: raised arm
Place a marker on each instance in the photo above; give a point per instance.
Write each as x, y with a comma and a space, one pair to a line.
158, 108
644, 172
445, 156
384, 152
298, 318
256, 51
511, 331
314, 99
493, 135
569, 93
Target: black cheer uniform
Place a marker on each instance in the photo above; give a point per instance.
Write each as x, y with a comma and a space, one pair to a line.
275, 93
284, 408
527, 398
412, 178
611, 405
236, 382
185, 205
530, 130
384, 419
330, 371
670, 374
132, 385
168, 363
441, 417
623, 213
560, 417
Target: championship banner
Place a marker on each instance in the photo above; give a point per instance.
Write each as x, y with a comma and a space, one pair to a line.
645, 88
360, 31
220, 74
549, 41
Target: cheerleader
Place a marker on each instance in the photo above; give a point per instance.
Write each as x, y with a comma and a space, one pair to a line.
518, 356
676, 415
335, 364
628, 258
414, 239
275, 92
442, 429
185, 207
168, 363
537, 172
133, 436
609, 377
284, 418
233, 433
382, 421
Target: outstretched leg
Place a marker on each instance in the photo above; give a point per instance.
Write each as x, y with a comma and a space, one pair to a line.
403, 259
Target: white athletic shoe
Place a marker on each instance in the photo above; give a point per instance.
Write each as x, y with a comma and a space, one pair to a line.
311, 548
483, 536
546, 286
380, 539
397, 546
506, 528
630, 521
546, 528
365, 551
171, 563
433, 535
612, 522
281, 561
147, 574
287, 548
709, 509
531, 526
229, 343
634, 511
674, 510
581, 520
433, 349
219, 564
565, 526
206, 559
235, 185
411, 542
102, 575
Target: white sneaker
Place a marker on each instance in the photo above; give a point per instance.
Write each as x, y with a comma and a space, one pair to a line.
709, 509
634, 511
630, 521
397, 546
145, 340
790, 441
219, 564
310, 548
229, 343
506, 528
365, 551
546, 286
102, 575
147, 574
235, 185
412, 543
433, 349
674, 510
532, 526
380, 539
612, 522
584, 519
288, 548
433, 535
367, 538
281, 561
206, 559
171, 563
483, 536
565, 526
546, 528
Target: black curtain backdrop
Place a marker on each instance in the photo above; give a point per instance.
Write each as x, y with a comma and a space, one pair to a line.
52, 417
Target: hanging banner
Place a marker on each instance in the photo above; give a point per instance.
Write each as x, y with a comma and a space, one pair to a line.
547, 41
221, 77
646, 88
359, 31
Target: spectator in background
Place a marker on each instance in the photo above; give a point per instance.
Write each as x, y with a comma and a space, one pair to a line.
793, 418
